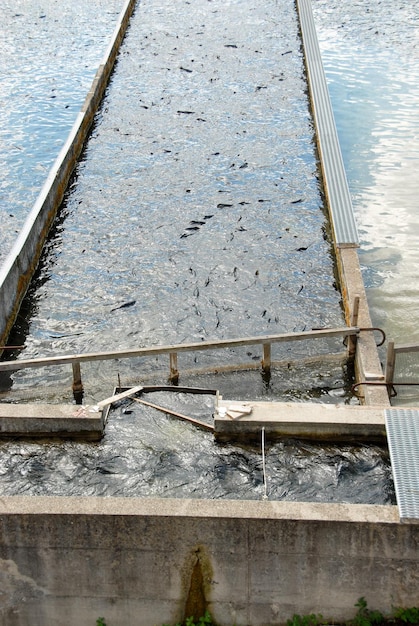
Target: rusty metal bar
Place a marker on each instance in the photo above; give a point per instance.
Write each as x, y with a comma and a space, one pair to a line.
390, 363
266, 360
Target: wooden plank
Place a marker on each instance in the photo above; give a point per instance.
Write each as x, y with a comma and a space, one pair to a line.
77, 384
390, 363
119, 396
174, 373
354, 322
266, 360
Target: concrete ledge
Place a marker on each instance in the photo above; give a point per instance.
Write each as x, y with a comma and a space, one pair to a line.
50, 420
184, 508
345, 236
136, 560
304, 421
367, 361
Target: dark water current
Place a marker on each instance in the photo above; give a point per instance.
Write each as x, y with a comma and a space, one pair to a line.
146, 453
198, 204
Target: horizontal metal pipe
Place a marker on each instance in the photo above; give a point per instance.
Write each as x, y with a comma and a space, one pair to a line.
184, 347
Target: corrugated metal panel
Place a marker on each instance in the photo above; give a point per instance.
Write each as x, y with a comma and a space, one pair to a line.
336, 186
403, 442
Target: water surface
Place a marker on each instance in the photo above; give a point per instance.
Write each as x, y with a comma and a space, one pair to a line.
49, 54
196, 213
370, 52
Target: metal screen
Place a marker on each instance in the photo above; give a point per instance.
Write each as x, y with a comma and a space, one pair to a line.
403, 442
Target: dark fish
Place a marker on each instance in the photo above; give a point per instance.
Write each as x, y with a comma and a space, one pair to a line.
125, 305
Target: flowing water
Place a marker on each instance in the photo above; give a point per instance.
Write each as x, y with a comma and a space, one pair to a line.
370, 52
237, 241
196, 212
146, 453
49, 54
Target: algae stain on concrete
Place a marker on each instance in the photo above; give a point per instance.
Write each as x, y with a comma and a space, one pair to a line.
16, 589
197, 579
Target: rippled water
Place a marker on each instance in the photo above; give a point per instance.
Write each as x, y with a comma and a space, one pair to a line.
198, 204
49, 53
146, 453
371, 56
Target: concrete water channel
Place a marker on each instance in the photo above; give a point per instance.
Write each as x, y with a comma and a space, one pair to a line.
204, 218
257, 171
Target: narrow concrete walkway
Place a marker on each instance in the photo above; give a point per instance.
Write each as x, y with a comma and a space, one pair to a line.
320, 422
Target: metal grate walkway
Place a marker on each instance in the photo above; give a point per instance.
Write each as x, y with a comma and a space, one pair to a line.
335, 183
403, 442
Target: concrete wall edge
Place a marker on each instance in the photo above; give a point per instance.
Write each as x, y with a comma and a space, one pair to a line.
193, 508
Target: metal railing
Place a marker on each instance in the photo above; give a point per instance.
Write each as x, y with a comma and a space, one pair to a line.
173, 350
392, 352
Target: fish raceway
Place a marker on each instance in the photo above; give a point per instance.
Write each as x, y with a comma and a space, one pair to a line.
151, 560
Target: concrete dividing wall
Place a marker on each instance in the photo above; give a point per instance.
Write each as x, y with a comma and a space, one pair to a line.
141, 561
341, 214
18, 269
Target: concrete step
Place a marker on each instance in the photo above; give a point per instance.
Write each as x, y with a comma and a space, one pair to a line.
51, 420
319, 422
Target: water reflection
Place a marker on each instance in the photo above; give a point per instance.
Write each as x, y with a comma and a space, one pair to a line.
202, 242
371, 57
48, 57
198, 198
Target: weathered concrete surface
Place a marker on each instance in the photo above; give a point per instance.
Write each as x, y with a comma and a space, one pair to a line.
56, 420
302, 420
367, 362
70, 560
